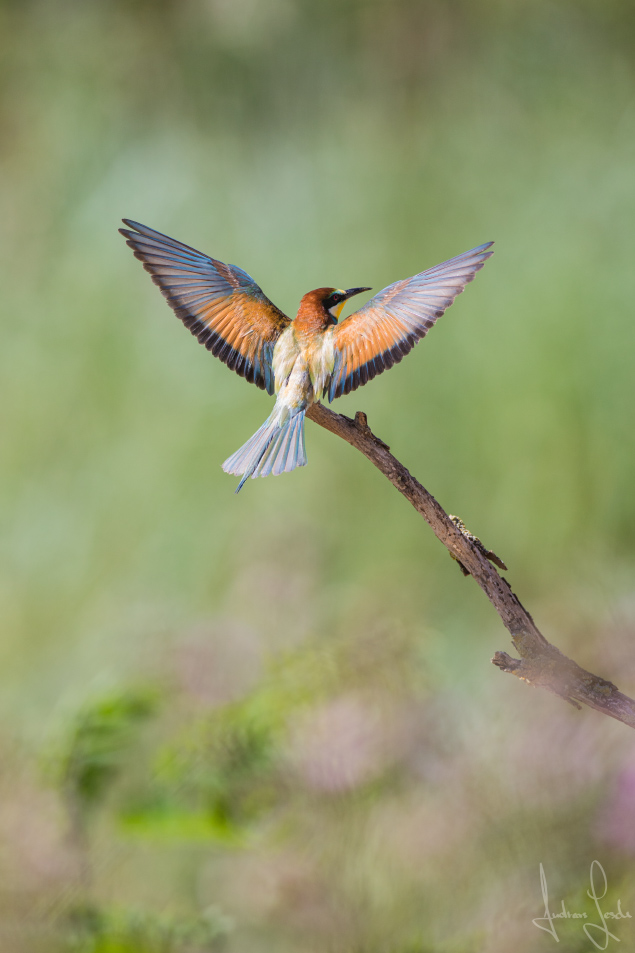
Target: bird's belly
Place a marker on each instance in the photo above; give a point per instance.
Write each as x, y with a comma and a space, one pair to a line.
296, 392
319, 358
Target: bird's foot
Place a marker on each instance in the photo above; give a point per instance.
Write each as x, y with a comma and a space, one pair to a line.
361, 422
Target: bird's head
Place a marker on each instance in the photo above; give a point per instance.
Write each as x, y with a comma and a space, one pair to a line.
330, 301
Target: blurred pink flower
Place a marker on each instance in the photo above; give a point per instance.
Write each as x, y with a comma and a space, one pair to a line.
551, 756
270, 884
33, 836
616, 819
218, 662
413, 832
344, 743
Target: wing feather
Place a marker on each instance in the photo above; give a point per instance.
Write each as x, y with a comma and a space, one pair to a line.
388, 326
220, 304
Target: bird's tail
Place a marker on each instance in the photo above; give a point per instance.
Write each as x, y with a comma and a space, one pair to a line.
274, 448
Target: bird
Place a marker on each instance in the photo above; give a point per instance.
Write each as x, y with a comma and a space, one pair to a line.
313, 356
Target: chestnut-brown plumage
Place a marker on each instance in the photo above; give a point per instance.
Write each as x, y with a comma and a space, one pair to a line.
301, 360
313, 315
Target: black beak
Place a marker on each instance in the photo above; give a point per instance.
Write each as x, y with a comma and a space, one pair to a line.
355, 291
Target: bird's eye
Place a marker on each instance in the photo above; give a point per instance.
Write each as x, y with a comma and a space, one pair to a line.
335, 299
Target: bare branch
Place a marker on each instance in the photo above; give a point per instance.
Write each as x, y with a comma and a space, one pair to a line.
540, 663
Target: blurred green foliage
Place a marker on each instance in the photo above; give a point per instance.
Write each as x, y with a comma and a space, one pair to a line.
92, 931
97, 741
213, 781
326, 757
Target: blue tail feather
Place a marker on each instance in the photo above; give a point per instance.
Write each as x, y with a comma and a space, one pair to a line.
274, 448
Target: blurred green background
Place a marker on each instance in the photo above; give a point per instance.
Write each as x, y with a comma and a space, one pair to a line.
269, 722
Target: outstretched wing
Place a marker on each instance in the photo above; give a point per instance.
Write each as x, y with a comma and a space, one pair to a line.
220, 304
387, 327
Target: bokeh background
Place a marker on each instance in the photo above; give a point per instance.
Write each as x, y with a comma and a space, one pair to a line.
268, 722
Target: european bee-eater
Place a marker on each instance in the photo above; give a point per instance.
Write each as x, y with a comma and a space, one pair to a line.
300, 360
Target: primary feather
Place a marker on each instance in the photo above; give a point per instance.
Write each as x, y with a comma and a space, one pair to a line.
220, 304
